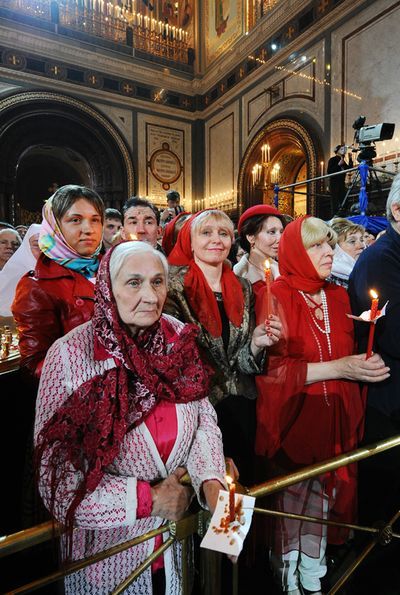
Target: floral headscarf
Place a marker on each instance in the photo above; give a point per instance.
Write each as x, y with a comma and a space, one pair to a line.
53, 244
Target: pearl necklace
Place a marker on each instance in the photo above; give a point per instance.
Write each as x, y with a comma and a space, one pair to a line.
325, 331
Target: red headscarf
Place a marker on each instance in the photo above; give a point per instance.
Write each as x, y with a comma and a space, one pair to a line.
89, 427
167, 241
294, 263
197, 290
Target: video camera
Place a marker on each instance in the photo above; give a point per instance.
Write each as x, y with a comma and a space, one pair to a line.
367, 136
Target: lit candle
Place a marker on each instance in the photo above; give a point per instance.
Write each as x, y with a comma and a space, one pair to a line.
372, 317
232, 490
267, 272
322, 164
133, 237
374, 304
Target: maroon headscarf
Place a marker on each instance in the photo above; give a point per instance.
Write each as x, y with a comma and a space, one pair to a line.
197, 290
168, 239
294, 263
89, 427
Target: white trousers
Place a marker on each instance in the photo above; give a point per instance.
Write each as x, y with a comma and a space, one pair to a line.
294, 566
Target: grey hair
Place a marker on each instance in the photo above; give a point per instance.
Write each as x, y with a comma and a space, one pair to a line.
125, 249
393, 198
14, 231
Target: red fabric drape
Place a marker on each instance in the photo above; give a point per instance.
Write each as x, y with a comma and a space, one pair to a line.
197, 290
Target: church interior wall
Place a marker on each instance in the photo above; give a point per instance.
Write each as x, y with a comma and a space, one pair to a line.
318, 80
365, 60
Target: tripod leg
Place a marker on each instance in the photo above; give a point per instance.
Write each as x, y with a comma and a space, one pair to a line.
349, 190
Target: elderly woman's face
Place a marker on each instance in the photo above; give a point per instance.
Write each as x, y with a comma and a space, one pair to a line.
82, 227
321, 255
353, 244
211, 242
140, 290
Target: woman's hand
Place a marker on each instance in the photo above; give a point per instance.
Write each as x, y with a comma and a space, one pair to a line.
356, 367
266, 334
171, 499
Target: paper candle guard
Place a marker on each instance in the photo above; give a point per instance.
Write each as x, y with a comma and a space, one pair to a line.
365, 316
223, 536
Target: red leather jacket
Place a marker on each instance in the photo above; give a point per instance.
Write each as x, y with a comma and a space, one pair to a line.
48, 303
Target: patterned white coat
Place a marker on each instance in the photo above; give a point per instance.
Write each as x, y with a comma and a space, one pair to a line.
107, 516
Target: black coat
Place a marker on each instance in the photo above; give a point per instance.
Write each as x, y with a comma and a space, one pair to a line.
378, 268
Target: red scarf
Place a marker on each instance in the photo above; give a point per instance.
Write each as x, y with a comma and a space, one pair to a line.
168, 240
294, 263
88, 429
197, 290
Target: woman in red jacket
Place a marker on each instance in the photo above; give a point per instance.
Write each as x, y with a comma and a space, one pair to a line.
58, 295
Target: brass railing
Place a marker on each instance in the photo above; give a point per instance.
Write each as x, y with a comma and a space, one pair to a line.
144, 34
195, 524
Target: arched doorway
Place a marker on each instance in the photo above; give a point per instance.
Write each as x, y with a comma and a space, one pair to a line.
48, 138
283, 152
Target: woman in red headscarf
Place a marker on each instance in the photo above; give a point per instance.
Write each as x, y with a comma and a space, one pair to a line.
171, 231
204, 290
309, 408
260, 229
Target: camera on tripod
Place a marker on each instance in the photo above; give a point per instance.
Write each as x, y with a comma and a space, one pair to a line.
367, 136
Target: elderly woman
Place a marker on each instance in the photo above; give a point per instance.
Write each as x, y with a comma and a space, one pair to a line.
350, 244
10, 241
260, 229
309, 406
58, 294
122, 412
204, 290
22, 261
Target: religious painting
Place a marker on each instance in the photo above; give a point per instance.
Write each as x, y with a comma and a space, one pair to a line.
177, 14
224, 21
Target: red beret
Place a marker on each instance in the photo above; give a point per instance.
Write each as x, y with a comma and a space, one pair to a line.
257, 210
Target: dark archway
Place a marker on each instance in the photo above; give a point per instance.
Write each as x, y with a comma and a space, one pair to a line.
293, 151
44, 136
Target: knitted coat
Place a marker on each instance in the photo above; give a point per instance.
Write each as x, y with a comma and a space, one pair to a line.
107, 516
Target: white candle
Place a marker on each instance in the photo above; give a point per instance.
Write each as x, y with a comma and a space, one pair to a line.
322, 164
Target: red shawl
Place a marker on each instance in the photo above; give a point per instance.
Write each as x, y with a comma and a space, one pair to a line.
89, 427
197, 290
294, 263
168, 239
296, 425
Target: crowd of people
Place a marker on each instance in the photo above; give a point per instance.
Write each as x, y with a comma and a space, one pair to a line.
158, 348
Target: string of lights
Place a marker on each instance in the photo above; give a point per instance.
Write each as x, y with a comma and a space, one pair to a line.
318, 81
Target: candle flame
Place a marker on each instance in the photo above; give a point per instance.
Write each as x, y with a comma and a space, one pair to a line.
133, 237
228, 479
373, 294
267, 264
